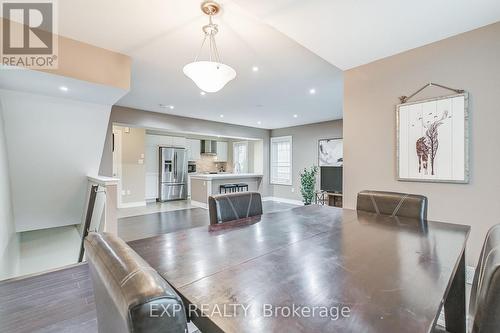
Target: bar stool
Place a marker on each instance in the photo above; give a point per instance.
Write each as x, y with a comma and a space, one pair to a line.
226, 187
242, 186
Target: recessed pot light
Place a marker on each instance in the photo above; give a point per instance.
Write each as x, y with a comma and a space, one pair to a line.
255, 68
63, 88
202, 93
259, 122
312, 91
222, 116
295, 115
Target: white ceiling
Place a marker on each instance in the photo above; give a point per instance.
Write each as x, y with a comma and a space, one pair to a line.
286, 39
350, 33
38, 82
163, 36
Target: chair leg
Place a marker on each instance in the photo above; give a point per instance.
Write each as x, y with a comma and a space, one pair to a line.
454, 305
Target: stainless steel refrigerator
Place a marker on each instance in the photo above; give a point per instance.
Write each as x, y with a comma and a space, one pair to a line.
173, 174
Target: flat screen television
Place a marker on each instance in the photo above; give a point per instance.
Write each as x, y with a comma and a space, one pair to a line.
331, 179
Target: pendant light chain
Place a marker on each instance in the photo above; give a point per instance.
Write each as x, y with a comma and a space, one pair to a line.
210, 30
210, 75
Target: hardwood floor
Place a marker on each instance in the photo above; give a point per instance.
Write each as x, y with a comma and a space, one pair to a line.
58, 301
63, 300
144, 226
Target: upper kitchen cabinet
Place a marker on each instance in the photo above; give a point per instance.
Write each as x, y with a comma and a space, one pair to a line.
179, 142
194, 149
167, 141
221, 151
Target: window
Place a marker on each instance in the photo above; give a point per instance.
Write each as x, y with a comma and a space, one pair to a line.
240, 157
281, 160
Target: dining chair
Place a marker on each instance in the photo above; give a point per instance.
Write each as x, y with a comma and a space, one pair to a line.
484, 305
393, 204
234, 206
130, 295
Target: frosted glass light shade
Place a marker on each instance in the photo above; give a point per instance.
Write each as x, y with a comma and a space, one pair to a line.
209, 76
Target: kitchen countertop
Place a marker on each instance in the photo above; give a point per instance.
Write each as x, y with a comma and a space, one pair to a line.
206, 176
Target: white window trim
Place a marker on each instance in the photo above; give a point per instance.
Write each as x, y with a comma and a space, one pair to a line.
274, 139
246, 152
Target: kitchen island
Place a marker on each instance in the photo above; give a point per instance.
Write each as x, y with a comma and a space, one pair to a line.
204, 185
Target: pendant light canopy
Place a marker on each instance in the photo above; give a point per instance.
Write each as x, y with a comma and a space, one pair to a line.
210, 75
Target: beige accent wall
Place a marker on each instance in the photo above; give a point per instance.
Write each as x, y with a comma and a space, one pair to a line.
133, 173
304, 151
90, 63
93, 64
469, 61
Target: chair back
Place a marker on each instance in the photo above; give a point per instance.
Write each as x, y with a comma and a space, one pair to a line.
130, 295
484, 307
234, 206
393, 204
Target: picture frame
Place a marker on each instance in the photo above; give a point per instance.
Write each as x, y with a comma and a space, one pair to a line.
432, 140
331, 152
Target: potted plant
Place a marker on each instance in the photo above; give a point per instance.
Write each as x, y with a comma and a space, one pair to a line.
308, 184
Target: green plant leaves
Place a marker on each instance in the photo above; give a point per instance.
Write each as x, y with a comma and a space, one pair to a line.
308, 184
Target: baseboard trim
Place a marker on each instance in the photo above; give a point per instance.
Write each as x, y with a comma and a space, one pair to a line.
284, 200
132, 204
199, 204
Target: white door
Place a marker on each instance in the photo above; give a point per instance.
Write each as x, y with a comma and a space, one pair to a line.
117, 162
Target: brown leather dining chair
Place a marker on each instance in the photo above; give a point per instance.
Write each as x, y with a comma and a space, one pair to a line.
130, 295
484, 306
234, 206
393, 204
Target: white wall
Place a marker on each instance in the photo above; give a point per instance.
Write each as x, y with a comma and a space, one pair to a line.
53, 143
9, 239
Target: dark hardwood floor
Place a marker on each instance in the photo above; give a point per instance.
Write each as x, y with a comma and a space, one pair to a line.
144, 226
63, 300
58, 301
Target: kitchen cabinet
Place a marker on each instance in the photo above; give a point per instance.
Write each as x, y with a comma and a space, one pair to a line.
151, 159
194, 148
221, 151
179, 142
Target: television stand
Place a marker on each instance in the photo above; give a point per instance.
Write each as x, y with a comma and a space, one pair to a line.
335, 199
329, 198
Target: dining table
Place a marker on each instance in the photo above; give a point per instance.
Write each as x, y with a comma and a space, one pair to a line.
317, 269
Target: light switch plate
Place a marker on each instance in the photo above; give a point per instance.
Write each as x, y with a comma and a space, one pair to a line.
140, 161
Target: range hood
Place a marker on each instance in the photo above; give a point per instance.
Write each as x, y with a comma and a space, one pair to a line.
209, 147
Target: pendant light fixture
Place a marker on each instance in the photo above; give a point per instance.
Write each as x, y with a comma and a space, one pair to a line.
209, 75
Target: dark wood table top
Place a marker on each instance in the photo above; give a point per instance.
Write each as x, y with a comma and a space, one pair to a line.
392, 274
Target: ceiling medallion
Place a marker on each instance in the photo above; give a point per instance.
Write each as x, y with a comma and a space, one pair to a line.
209, 75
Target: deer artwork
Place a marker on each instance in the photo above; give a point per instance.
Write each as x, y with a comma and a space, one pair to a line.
427, 145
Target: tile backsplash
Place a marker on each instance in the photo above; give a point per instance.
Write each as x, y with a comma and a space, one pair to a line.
209, 163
